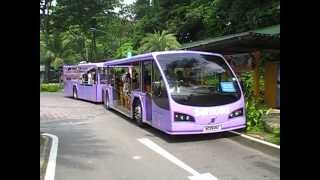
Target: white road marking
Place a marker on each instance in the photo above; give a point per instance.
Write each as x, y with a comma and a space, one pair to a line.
255, 139
51, 166
79, 123
136, 157
204, 176
74, 123
196, 175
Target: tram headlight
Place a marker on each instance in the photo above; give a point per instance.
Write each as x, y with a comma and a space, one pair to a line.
236, 113
183, 117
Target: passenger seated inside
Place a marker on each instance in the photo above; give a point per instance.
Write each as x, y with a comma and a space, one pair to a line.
118, 88
89, 78
126, 79
147, 81
135, 77
84, 79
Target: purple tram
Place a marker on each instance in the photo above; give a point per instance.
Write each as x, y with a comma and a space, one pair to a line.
177, 92
84, 81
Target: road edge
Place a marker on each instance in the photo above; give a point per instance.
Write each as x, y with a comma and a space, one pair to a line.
264, 146
51, 165
44, 154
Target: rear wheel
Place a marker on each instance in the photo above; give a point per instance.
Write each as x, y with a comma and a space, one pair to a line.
137, 113
75, 93
106, 101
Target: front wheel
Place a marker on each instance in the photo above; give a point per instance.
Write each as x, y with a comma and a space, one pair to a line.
137, 113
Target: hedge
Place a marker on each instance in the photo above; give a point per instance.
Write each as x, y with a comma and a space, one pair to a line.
51, 87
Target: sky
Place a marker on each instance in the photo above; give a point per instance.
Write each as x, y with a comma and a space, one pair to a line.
124, 1
128, 1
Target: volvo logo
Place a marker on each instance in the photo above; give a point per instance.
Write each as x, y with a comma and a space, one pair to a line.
212, 120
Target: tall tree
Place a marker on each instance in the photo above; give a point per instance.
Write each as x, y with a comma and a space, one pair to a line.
192, 20
45, 27
242, 15
83, 13
159, 41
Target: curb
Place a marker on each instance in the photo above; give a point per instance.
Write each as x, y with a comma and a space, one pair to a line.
51, 165
264, 146
45, 146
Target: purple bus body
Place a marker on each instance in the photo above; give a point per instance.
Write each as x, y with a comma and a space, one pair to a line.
163, 119
84, 91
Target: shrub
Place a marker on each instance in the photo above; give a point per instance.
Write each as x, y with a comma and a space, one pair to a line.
254, 114
247, 81
51, 87
255, 110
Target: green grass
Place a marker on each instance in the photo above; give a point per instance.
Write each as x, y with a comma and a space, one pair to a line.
51, 87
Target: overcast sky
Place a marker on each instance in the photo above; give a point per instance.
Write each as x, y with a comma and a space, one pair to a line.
128, 1
124, 1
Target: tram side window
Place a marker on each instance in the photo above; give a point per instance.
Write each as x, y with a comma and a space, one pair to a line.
84, 79
92, 77
103, 75
136, 76
89, 78
146, 76
111, 76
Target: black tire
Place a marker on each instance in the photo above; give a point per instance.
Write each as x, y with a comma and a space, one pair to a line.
137, 113
106, 101
75, 93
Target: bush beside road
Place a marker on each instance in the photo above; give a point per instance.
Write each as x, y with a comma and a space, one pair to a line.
51, 87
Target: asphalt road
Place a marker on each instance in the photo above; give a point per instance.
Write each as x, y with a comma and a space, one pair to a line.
96, 144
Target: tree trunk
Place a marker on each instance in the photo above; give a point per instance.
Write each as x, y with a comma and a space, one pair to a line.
256, 75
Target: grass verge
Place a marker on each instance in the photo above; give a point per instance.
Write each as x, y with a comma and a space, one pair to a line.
51, 87
272, 137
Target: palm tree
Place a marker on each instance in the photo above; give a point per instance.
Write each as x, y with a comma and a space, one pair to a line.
159, 41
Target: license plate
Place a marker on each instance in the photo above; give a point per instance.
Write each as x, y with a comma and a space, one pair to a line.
212, 128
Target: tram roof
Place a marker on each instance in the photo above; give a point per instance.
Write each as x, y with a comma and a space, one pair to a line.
146, 56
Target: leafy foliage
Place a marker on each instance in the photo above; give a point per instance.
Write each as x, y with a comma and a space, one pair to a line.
57, 63
247, 80
159, 41
123, 50
65, 35
254, 114
51, 87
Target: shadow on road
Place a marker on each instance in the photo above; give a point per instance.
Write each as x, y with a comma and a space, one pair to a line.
83, 100
153, 132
